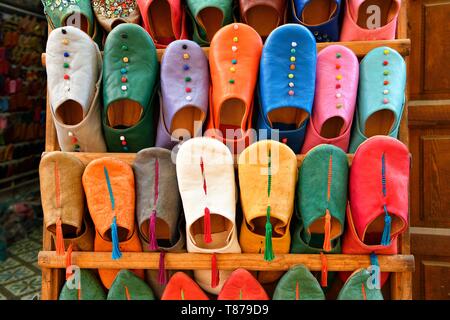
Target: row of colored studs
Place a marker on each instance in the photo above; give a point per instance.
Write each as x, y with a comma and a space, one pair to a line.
124, 143
124, 69
292, 67
234, 48
66, 42
74, 140
386, 73
186, 67
338, 78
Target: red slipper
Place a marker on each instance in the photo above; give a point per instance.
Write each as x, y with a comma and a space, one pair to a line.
182, 287
241, 285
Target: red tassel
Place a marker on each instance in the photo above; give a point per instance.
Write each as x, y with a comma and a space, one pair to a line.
324, 275
214, 272
69, 261
59, 238
207, 226
162, 278
153, 244
327, 239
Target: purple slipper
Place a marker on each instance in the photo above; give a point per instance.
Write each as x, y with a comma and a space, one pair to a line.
184, 93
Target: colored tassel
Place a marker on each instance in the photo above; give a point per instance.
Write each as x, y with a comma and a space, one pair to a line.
60, 248
327, 238
214, 272
240, 294
374, 263
116, 254
386, 237
79, 293
127, 293
363, 290
69, 262
297, 291
268, 250
324, 274
162, 277
207, 226
182, 294
153, 244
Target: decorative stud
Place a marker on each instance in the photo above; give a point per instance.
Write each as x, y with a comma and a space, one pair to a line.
385, 101
291, 92
338, 66
386, 82
123, 71
66, 54
66, 65
64, 31
122, 138
234, 61
339, 105
124, 48
293, 51
124, 143
124, 88
236, 27
386, 72
188, 90
386, 52
338, 55
294, 44
339, 77
292, 67
385, 63
338, 95
338, 86
184, 46
70, 133
188, 98
65, 41
233, 69
291, 84
235, 39
66, 77
234, 48
386, 92
124, 79
292, 59
125, 59
231, 81
125, 148
290, 76
186, 56
185, 67
187, 79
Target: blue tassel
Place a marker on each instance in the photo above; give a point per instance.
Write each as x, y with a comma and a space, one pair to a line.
374, 263
386, 237
116, 254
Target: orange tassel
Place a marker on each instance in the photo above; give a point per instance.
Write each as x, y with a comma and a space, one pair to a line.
324, 275
327, 239
79, 293
127, 293
69, 261
214, 272
59, 238
297, 291
207, 226
363, 289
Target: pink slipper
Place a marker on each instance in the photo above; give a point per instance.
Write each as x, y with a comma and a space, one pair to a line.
334, 103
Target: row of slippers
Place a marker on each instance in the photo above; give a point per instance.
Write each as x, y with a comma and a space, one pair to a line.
166, 21
291, 80
296, 284
202, 184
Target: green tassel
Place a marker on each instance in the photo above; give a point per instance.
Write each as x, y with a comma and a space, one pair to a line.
268, 251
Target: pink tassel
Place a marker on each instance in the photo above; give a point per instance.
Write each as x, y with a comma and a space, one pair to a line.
153, 245
162, 277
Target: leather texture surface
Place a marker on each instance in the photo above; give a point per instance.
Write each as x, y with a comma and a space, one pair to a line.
241, 285
355, 288
91, 289
127, 286
182, 287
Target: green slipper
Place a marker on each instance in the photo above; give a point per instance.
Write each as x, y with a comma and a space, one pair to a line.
322, 195
128, 286
298, 284
88, 287
208, 16
356, 287
76, 13
129, 89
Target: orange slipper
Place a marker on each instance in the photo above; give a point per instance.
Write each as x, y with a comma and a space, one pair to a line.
182, 287
107, 276
241, 285
234, 58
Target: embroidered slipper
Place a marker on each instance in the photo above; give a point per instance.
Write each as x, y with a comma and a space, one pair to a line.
286, 84
63, 200
263, 15
381, 95
320, 17
205, 172
133, 244
207, 17
127, 286
352, 245
370, 20
74, 75
378, 190
110, 194
234, 62
83, 287
267, 181
184, 88
322, 195
77, 13
357, 287
335, 98
241, 285
129, 89
182, 287
112, 13
298, 284
164, 20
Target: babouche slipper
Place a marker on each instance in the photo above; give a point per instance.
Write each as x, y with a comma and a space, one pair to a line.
127, 286
357, 287
207, 17
184, 90
263, 15
378, 190
112, 13
205, 172
74, 75
370, 20
182, 287
322, 198
158, 208
234, 62
335, 99
298, 284
84, 286
129, 89
77, 13
164, 20
286, 85
320, 17
267, 180
241, 285
381, 95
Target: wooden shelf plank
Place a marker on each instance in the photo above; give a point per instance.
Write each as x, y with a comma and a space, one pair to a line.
226, 261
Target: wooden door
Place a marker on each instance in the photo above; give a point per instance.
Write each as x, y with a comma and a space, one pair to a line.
429, 124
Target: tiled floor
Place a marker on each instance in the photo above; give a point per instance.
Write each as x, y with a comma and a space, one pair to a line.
20, 276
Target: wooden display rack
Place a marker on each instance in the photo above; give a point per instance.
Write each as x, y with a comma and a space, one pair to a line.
401, 265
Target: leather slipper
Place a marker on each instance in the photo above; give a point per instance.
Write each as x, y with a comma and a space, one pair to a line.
241, 285
357, 288
85, 287
112, 13
182, 287
127, 286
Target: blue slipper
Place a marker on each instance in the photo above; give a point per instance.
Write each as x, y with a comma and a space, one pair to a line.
381, 96
320, 17
286, 84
